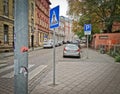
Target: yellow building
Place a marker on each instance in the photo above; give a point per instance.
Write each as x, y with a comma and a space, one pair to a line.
38, 23
31, 22
6, 24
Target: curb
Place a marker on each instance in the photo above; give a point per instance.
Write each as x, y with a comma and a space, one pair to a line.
9, 54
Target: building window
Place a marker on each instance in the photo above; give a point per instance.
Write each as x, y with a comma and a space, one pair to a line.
6, 34
40, 37
13, 38
32, 9
13, 8
32, 25
5, 7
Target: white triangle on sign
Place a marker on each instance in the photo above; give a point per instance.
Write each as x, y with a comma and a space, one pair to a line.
54, 19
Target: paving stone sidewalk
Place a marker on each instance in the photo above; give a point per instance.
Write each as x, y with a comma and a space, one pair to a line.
98, 74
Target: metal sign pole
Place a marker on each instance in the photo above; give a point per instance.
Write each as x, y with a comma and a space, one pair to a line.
21, 47
87, 46
87, 31
54, 23
54, 59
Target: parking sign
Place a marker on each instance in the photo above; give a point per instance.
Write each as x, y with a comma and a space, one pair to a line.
87, 29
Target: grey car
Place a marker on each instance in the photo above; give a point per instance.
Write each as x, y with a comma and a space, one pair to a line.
71, 50
48, 44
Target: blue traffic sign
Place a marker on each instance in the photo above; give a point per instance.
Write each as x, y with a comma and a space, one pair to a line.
54, 17
87, 29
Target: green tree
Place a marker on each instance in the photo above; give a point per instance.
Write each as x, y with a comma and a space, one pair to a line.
80, 34
96, 12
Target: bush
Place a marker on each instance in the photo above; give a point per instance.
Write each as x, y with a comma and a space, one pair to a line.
117, 58
112, 53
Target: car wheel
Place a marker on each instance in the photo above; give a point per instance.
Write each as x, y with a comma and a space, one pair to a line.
79, 56
63, 56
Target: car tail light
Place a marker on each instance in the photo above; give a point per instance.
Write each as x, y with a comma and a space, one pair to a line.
78, 50
65, 49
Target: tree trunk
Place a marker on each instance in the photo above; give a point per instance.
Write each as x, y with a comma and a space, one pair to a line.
109, 28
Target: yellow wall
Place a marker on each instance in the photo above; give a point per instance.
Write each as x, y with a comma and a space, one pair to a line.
8, 20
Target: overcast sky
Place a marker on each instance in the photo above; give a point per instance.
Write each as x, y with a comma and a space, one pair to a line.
63, 6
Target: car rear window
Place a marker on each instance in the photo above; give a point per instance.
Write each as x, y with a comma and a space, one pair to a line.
72, 46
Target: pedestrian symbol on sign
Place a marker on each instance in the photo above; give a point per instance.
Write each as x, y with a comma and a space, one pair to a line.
54, 19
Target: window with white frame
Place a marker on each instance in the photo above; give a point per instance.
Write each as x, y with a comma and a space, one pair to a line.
6, 40
32, 9
5, 7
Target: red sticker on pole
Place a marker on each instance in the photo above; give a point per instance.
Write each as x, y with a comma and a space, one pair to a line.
24, 49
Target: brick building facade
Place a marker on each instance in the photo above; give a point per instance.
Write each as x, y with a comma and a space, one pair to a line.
42, 8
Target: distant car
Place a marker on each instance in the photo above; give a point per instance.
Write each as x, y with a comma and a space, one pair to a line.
71, 50
77, 43
84, 41
60, 43
48, 44
63, 42
56, 44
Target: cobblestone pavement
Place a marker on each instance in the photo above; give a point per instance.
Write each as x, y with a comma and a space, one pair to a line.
98, 74
7, 73
7, 79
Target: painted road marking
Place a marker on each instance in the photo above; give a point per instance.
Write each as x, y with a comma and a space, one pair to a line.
32, 74
6, 68
2, 65
11, 74
36, 71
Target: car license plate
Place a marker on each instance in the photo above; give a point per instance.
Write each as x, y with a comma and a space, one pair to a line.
71, 51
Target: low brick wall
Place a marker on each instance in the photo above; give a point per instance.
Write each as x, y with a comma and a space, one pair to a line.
107, 39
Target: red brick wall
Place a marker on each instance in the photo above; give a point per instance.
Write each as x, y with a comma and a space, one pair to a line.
116, 26
108, 39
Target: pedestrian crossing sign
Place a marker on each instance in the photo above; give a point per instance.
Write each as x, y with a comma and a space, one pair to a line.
54, 17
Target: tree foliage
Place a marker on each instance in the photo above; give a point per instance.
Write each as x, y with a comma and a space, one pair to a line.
96, 12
